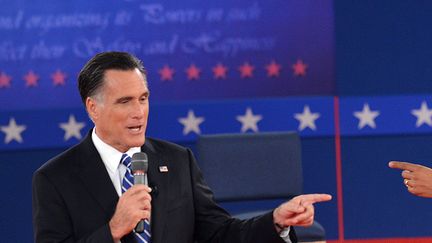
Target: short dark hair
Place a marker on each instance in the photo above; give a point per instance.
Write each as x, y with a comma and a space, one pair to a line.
91, 76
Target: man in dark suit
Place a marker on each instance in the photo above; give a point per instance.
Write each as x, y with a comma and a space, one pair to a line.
77, 196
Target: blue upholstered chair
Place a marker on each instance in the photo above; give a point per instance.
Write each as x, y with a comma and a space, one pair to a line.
244, 169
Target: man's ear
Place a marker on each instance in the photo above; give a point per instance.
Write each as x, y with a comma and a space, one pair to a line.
92, 108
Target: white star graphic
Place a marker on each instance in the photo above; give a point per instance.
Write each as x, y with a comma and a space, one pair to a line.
13, 131
423, 115
249, 120
72, 128
306, 119
191, 123
366, 117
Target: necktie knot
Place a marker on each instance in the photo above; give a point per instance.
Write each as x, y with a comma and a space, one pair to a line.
128, 178
126, 160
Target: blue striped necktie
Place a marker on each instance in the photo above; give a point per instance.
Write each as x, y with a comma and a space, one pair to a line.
127, 183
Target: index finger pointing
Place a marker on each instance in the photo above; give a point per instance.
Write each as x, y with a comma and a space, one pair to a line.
314, 198
403, 165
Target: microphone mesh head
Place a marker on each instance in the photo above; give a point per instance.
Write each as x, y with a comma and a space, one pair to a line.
139, 162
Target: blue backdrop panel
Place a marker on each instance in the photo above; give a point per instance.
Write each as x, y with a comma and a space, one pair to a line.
17, 169
311, 116
43, 128
376, 202
383, 47
385, 115
262, 48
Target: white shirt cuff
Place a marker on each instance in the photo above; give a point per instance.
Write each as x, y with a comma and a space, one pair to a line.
284, 234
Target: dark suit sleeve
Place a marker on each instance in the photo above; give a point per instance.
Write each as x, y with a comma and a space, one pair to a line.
51, 220
213, 224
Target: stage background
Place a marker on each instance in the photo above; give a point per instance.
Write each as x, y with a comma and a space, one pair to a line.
218, 61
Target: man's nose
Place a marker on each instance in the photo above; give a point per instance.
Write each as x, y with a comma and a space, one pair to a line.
138, 110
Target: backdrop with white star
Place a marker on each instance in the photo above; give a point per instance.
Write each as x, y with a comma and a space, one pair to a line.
357, 91
311, 117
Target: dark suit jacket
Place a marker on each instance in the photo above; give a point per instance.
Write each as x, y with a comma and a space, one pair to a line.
74, 199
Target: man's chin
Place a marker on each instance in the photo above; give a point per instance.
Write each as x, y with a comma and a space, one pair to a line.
137, 143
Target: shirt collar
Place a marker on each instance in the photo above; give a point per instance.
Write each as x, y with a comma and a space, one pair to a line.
110, 156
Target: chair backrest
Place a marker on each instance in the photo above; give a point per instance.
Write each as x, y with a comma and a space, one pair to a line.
251, 166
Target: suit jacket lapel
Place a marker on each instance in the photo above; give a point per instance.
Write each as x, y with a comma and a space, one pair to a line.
93, 174
159, 180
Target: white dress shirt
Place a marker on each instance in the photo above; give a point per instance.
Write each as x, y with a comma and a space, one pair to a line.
111, 158
284, 234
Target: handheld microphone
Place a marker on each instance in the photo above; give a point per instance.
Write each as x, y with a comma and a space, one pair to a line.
139, 170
